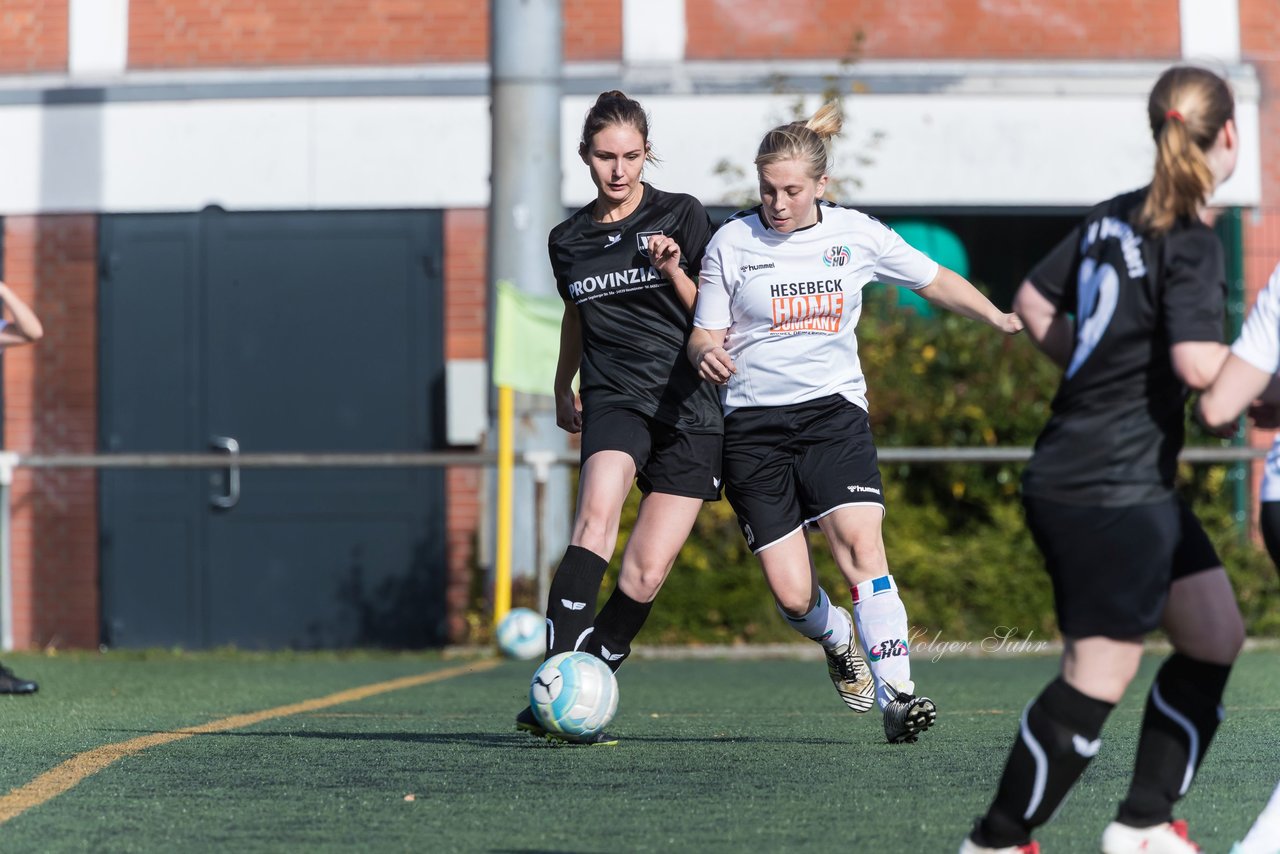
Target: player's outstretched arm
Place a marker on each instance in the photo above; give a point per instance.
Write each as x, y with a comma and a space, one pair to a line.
26, 327
952, 291
1049, 329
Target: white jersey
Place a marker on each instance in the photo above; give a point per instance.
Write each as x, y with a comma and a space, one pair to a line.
1259, 345
790, 302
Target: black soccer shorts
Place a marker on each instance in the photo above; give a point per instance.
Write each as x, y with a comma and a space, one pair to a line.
1112, 567
788, 466
668, 460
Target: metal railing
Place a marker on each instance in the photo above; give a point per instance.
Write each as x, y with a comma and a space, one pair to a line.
540, 462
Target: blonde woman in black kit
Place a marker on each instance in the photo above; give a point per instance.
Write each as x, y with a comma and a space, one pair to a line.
1131, 306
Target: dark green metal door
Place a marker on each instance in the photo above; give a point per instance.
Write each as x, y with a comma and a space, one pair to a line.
262, 332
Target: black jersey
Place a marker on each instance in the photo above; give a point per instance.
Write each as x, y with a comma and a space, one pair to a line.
1118, 417
634, 326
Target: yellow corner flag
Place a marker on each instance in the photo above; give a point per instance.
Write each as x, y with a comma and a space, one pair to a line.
526, 340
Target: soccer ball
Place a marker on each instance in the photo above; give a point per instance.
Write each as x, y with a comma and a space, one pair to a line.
522, 634
574, 693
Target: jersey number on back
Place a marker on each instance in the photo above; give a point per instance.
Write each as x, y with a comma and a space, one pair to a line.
1099, 289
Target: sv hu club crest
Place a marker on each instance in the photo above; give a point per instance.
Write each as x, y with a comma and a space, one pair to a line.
836, 256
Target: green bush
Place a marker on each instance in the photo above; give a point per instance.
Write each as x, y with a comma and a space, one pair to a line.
954, 532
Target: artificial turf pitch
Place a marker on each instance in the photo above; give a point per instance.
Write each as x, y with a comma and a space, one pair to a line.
716, 755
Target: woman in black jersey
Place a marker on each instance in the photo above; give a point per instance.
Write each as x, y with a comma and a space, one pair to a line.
1131, 306
622, 265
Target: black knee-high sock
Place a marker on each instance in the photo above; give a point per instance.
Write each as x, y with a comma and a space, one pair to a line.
1056, 739
571, 601
617, 625
1184, 709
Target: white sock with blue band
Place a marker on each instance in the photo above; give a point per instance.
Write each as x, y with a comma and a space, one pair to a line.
881, 620
823, 623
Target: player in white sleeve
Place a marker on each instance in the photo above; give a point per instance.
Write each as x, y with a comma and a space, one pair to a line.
779, 296
25, 329
1250, 373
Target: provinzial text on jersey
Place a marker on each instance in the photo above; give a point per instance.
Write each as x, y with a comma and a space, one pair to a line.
613, 281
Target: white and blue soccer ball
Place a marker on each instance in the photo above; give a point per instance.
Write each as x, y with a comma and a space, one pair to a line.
574, 693
522, 634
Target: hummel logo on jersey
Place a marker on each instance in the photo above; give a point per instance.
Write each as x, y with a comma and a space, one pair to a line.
609, 656
573, 606
613, 239
768, 265
858, 488
1087, 749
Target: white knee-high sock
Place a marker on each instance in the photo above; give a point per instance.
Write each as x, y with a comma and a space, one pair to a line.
1264, 838
823, 623
881, 620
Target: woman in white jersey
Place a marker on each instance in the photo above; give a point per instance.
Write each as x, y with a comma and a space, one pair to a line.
779, 296
24, 329
1249, 372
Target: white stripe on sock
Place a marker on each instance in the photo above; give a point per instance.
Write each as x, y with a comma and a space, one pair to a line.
1042, 764
1192, 735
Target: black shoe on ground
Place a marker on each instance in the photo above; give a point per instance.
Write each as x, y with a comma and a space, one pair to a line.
11, 684
526, 722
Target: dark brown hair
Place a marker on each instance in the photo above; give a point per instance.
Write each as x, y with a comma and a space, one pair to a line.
615, 109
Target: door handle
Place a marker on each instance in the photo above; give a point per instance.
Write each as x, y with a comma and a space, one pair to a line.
231, 497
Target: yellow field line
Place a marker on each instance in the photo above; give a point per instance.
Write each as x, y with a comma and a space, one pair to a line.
57, 780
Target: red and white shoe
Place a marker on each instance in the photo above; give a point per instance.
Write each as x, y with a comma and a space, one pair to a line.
1167, 838
971, 847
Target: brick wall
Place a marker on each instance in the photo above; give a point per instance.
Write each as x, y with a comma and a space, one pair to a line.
33, 35
465, 310
210, 33
933, 29
51, 406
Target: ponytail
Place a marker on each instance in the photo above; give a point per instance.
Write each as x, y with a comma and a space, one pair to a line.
1187, 109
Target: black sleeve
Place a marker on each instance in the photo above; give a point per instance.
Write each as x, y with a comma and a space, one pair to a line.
1193, 303
557, 268
1056, 274
695, 233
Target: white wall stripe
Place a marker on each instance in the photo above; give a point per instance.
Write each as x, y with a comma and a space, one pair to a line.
98, 34
297, 153
653, 31
1210, 30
